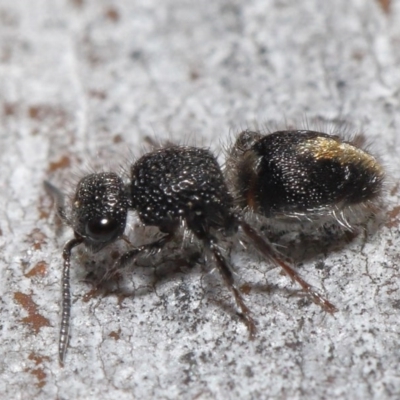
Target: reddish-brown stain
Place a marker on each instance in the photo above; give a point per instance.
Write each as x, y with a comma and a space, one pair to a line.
118, 138
9, 109
194, 75
98, 94
77, 3
5, 53
394, 189
385, 5
358, 55
34, 319
393, 217
112, 14
40, 269
34, 112
55, 117
38, 359
37, 238
39, 374
63, 162
115, 335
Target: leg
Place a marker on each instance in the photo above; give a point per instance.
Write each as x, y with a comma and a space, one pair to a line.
66, 298
66, 289
58, 198
268, 251
227, 276
130, 255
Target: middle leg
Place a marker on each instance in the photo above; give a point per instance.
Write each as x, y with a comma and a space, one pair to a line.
227, 275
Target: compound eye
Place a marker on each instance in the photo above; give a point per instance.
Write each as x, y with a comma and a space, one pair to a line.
102, 229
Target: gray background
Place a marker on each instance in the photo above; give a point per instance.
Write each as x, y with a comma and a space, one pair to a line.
82, 84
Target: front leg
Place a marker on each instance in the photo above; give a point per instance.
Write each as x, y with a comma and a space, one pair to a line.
128, 257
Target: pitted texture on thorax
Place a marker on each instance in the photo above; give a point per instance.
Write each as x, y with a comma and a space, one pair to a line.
180, 182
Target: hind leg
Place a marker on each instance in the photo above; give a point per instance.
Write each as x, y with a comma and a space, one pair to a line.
270, 253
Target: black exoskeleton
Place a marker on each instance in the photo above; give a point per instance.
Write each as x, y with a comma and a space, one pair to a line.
300, 174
